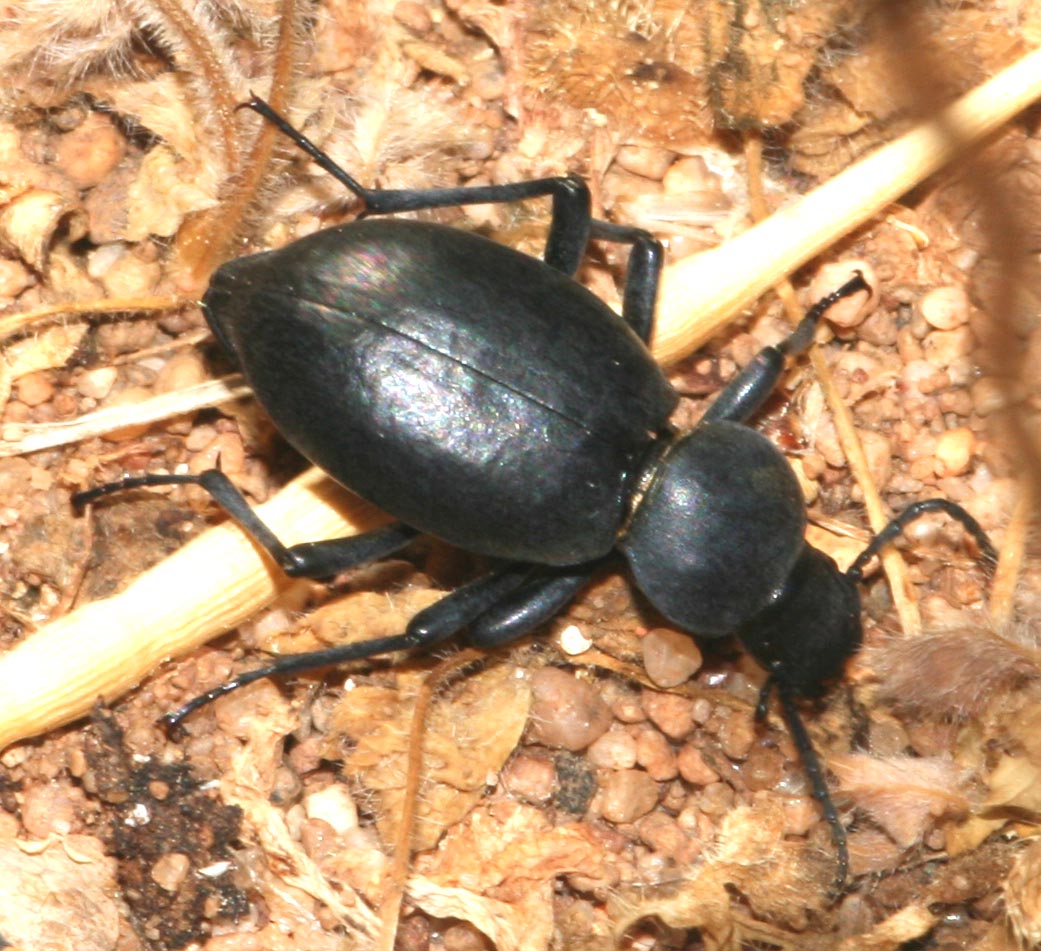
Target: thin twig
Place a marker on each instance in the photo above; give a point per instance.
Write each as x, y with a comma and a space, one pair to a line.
397, 874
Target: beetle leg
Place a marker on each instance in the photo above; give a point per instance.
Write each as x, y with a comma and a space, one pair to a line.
642, 276
529, 606
306, 560
569, 226
430, 626
747, 392
915, 511
818, 785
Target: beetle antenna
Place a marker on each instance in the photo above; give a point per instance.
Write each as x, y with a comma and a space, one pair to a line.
988, 552
812, 764
297, 664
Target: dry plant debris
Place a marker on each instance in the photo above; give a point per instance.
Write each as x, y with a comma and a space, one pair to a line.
619, 794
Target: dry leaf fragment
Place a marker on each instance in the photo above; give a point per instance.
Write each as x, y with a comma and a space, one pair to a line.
950, 673
902, 793
497, 870
59, 898
909, 923
1023, 895
248, 786
1015, 782
28, 223
468, 739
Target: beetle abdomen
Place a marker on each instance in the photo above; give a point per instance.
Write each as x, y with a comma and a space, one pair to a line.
469, 390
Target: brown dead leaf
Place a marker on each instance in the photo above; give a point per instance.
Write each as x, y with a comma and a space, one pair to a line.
469, 737
248, 786
59, 898
701, 901
781, 878
1015, 782
497, 869
894, 932
902, 793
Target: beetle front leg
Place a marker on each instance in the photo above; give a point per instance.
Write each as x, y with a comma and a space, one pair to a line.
317, 560
747, 392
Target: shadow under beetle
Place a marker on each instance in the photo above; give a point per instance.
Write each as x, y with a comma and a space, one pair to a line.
485, 397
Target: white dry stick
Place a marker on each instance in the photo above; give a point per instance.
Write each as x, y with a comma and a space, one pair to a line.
104, 649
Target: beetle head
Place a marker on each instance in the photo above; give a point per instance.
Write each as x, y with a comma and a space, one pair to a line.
805, 637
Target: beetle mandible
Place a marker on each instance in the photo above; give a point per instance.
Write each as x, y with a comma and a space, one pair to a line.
485, 397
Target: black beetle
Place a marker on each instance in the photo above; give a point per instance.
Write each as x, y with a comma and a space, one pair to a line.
485, 397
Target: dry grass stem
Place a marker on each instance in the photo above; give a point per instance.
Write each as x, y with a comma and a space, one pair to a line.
16, 438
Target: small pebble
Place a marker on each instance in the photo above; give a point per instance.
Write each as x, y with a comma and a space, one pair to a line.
945, 308
170, 871
801, 813
671, 714
663, 834
573, 641
531, 778
129, 276
641, 160
464, 937
655, 754
763, 768
693, 768
48, 808
670, 657
319, 839
716, 799
334, 805
35, 389
737, 734
944, 347
181, 371
616, 749
97, 383
624, 702
566, 713
89, 152
954, 451
628, 794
